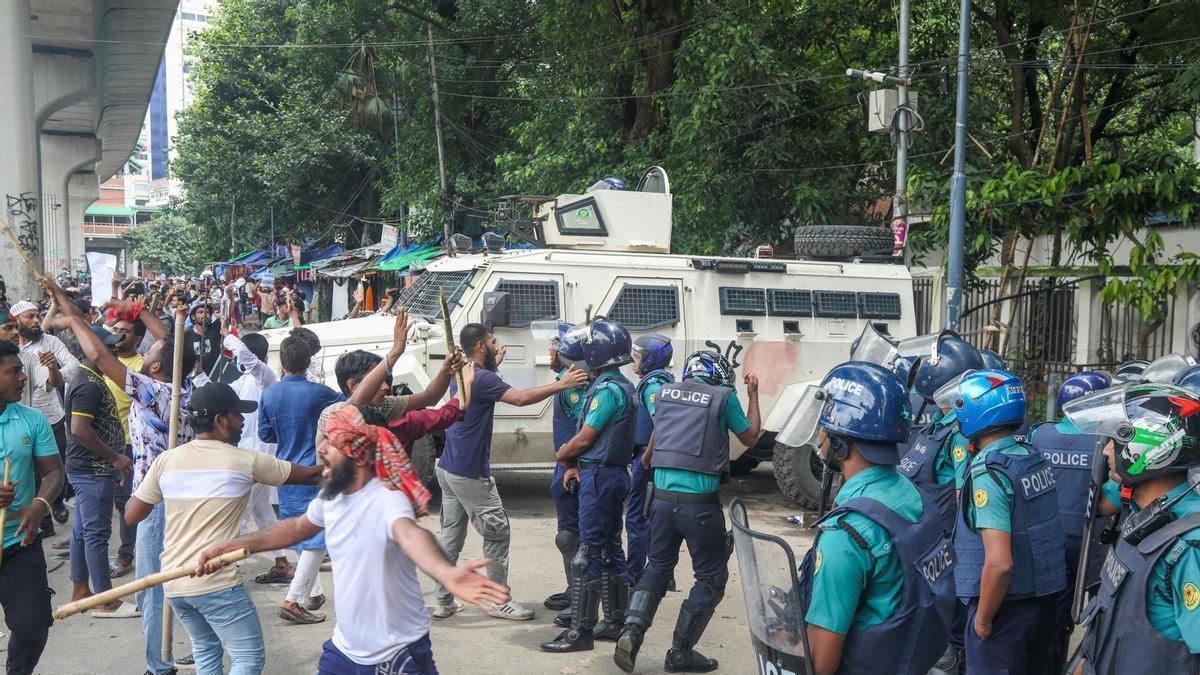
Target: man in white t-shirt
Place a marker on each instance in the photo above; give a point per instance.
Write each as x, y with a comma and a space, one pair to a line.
376, 547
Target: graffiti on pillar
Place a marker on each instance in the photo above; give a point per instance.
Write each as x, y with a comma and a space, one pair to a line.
22, 218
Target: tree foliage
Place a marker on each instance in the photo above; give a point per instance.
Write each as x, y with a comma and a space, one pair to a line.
170, 245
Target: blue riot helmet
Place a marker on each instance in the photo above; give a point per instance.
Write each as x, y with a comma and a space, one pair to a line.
1167, 368
607, 343
952, 357
610, 183
992, 360
1190, 379
1080, 384
654, 350
1130, 371
709, 367
988, 400
868, 403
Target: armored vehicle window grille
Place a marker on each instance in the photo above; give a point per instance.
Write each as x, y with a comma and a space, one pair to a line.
879, 305
421, 299
530, 301
835, 304
745, 301
787, 302
645, 307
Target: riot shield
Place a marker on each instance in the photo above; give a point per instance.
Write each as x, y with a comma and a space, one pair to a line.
773, 611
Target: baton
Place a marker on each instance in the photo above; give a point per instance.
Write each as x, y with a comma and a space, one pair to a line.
4, 511
450, 346
94, 601
1099, 469
168, 623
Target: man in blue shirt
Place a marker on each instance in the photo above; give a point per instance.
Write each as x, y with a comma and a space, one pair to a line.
288, 417
464, 472
27, 445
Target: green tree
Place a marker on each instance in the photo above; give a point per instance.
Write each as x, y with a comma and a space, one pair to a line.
171, 245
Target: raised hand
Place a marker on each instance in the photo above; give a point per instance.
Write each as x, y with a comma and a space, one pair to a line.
465, 582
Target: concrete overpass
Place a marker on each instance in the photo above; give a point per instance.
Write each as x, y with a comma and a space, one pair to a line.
75, 80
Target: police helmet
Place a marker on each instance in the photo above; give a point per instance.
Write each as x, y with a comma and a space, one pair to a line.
954, 357
709, 367
868, 403
1080, 384
992, 360
1167, 368
1155, 427
989, 400
608, 344
655, 350
1131, 371
1189, 379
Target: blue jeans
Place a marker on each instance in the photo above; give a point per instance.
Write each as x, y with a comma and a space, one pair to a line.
91, 529
602, 492
223, 620
414, 659
149, 548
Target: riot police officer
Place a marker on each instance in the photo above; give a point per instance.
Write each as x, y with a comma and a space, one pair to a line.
598, 457
1009, 539
689, 452
878, 582
567, 406
1145, 618
651, 357
1071, 455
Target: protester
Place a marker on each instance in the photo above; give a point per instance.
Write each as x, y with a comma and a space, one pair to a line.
37, 376
27, 443
284, 317
204, 337
129, 353
464, 473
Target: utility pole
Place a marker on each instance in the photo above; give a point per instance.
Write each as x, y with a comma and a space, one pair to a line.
401, 211
437, 120
232, 215
272, 233
958, 184
900, 201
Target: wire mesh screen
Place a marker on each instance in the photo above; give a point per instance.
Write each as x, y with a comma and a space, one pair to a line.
879, 305
923, 303
788, 302
836, 304
745, 301
421, 299
645, 307
530, 300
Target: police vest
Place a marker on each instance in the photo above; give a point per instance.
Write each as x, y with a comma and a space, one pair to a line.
645, 422
913, 638
1120, 638
688, 433
614, 445
1071, 457
918, 464
1039, 563
564, 425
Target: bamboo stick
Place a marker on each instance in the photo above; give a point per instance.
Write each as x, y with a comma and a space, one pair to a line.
168, 623
4, 511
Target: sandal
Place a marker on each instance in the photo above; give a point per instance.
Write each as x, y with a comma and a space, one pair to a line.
118, 569
276, 575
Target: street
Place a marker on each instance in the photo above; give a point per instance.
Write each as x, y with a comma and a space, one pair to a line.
470, 642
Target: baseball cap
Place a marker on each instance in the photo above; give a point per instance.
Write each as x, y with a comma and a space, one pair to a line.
215, 398
21, 307
107, 337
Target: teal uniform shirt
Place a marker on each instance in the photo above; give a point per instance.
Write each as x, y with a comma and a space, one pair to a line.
25, 434
650, 395
609, 402
991, 500
851, 588
572, 399
733, 418
950, 462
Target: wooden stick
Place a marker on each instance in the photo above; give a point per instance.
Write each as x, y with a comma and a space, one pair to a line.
37, 273
168, 623
73, 608
450, 346
4, 511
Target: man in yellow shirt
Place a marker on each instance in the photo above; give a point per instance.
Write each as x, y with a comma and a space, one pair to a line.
134, 332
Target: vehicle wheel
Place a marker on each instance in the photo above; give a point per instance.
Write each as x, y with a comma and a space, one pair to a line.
843, 241
742, 465
798, 473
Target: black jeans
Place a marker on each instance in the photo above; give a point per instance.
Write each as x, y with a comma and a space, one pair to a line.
25, 597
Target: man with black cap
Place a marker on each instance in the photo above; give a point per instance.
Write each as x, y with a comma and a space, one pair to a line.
205, 485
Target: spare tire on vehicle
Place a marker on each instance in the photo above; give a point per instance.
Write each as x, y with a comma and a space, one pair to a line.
843, 241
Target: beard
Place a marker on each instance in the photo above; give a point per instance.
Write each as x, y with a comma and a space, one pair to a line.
340, 478
489, 360
30, 333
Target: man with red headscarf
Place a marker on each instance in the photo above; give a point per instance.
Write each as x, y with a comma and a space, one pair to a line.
368, 506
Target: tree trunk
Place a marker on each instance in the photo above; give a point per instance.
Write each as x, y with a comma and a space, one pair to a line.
658, 28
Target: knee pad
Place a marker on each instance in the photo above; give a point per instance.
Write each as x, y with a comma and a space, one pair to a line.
579, 563
715, 587
566, 542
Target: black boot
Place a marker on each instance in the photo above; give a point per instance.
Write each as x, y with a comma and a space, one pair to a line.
563, 618
642, 607
578, 637
682, 658
558, 601
616, 600
567, 543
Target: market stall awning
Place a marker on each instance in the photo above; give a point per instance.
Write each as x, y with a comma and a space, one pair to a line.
403, 261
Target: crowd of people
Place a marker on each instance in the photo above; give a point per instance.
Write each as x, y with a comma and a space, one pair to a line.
953, 543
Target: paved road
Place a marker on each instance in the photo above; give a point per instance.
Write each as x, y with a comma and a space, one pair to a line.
471, 642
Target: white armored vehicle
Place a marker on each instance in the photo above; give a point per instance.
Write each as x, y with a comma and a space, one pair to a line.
786, 321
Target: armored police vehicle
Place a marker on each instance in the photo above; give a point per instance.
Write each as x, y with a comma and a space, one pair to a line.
608, 251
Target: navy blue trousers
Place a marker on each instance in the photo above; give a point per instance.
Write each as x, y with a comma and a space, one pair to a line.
602, 493
702, 527
637, 526
415, 659
566, 504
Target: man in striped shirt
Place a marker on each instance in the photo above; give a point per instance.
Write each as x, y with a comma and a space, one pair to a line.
205, 486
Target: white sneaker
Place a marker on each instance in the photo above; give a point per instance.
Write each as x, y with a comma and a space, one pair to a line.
511, 610
441, 611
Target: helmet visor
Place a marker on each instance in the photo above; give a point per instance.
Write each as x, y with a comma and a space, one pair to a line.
922, 346
947, 394
1165, 369
801, 428
544, 331
873, 347
580, 333
1101, 413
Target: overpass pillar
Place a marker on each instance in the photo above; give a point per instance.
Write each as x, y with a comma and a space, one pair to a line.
22, 207
83, 189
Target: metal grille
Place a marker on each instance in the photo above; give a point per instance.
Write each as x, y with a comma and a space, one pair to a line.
836, 304
530, 300
923, 303
879, 305
786, 302
421, 299
746, 301
645, 307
